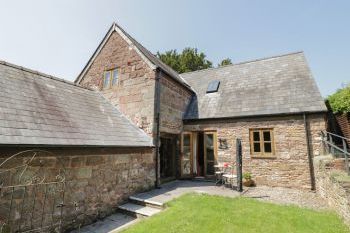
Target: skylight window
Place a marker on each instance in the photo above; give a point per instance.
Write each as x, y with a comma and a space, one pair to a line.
213, 86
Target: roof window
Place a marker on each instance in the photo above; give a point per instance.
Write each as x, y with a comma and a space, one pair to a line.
213, 86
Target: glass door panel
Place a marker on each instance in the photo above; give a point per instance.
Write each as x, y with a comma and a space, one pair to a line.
210, 152
186, 155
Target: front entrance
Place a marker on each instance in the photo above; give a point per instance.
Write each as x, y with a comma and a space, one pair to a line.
167, 158
198, 154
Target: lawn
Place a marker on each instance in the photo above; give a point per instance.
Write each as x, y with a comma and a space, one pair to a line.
203, 213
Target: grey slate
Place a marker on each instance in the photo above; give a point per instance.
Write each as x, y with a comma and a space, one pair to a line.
38, 109
275, 85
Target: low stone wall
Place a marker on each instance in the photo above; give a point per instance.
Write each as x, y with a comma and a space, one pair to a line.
333, 185
96, 182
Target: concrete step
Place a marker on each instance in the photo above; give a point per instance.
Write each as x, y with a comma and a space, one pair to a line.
138, 210
146, 202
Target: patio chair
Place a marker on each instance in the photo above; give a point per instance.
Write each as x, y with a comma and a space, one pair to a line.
229, 177
220, 170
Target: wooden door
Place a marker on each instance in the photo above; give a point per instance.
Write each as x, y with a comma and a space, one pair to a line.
186, 155
210, 153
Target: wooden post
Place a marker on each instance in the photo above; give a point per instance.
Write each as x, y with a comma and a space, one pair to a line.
346, 157
332, 143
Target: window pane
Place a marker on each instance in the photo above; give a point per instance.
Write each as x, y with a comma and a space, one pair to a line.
210, 168
107, 77
267, 136
256, 136
115, 77
186, 167
257, 147
267, 147
209, 143
186, 141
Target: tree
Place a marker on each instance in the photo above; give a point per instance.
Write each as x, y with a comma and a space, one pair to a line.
171, 58
225, 62
340, 100
188, 60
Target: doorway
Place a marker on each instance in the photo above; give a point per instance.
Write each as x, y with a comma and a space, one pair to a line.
198, 154
167, 158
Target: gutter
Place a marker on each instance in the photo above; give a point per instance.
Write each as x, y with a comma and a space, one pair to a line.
157, 122
309, 152
189, 120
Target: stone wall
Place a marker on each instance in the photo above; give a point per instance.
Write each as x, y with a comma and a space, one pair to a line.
96, 182
333, 185
289, 167
174, 99
134, 95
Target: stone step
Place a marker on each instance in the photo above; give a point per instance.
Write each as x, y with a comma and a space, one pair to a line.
146, 202
138, 210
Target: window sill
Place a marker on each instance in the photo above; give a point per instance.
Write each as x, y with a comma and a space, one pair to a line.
263, 157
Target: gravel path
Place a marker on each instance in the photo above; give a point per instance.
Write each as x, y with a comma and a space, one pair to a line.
302, 198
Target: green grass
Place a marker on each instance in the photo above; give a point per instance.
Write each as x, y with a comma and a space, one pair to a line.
204, 213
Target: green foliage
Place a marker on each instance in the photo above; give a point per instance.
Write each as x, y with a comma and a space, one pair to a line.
204, 213
340, 176
340, 100
186, 61
225, 62
247, 175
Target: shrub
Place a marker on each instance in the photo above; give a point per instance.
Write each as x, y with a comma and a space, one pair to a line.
340, 100
247, 176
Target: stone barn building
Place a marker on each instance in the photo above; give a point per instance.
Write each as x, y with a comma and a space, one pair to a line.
272, 104
130, 122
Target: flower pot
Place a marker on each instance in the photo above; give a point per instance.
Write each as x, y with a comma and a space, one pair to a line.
248, 183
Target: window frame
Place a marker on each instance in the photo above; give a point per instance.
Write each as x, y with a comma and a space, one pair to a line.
111, 76
262, 153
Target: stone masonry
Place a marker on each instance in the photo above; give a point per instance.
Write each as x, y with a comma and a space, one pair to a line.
96, 182
174, 99
333, 185
134, 95
289, 167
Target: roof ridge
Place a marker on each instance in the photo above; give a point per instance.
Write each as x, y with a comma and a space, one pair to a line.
2, 62
245, 62
151, 59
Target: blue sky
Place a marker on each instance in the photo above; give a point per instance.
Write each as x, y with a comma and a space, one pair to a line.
58, 37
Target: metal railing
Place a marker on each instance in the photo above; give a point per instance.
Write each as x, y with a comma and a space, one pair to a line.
337, 146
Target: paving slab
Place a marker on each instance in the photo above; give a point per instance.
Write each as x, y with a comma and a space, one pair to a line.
110, 224
139, 209
175, 189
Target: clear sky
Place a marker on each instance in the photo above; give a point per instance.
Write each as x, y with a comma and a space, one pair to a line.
58, 37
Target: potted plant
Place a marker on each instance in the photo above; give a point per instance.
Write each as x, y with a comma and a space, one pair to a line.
248, 181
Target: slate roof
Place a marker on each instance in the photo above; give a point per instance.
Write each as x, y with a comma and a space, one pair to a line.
38, 109
150, 56
275, 85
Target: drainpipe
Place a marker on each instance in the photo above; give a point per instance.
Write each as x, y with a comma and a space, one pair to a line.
309, 153
157, 122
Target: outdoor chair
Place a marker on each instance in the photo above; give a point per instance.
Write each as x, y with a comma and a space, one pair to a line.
229, 177
220, 170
